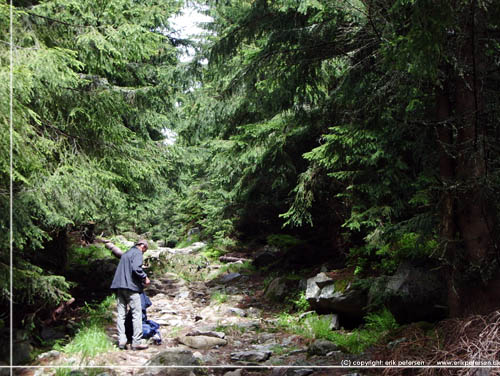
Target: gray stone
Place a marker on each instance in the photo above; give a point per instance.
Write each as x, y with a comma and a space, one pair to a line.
279, 288
254, 312
234, 373
264, 337
49, 355
251, 356
265, 347
289, 340
21, 352
229, 277
334, 321
237, 311
298, 351
248, 325
202, 342
171, 357
207, 333
321, 347
322, 280
416, 293
266, 256
323, 297
48, 333
77, 372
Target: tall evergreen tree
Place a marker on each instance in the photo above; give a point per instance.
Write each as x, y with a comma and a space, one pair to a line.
392, 103
94, 85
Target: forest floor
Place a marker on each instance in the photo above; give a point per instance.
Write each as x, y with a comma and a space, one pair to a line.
214, 321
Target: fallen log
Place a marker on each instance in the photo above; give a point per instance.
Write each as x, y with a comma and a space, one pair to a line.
58, 311
232, 259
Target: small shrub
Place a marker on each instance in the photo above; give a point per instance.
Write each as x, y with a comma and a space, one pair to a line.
212, 253
300, 302
377, 325
99, 314
219, 297
318, 327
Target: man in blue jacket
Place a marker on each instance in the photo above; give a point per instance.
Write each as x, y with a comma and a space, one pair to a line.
128, 284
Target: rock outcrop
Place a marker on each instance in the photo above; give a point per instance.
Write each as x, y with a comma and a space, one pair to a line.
324, 297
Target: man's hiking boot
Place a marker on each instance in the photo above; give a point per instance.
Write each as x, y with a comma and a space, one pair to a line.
139, 346
122, 347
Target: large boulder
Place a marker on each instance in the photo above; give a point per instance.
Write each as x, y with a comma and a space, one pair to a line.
279, 288
324, 297
202, 342
321, 347
168, 358
416, 293
266, 256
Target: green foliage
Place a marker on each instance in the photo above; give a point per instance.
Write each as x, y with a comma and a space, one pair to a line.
187, 242
219, 297
88, 342
283, 241
93, 88
246, 267
91, 338
301, 303
99, 314
382, 256
377, 325
187, 266
85, 255
212, 253
32, 285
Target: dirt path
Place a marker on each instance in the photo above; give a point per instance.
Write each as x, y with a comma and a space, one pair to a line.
222, 324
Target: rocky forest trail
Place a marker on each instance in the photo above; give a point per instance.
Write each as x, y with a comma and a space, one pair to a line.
221, 324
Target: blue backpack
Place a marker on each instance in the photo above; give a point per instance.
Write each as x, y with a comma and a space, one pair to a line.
149, 327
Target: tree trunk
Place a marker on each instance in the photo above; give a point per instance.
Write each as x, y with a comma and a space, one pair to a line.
473, 220
447, 174
469, 213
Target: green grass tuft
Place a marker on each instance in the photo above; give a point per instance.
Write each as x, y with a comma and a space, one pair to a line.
91, 338
219, 297
88, 342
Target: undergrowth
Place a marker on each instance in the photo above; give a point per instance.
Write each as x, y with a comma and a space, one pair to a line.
91, 338
313, 326
84, 255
